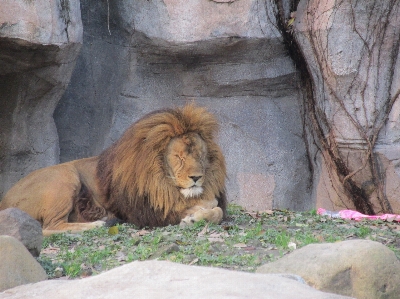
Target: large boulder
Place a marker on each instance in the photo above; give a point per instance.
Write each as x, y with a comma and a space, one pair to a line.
17, 266
39, 43
159, 279
139, 56
18, 224
359, 268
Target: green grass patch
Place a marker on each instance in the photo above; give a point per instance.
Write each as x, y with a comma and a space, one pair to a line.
243, 242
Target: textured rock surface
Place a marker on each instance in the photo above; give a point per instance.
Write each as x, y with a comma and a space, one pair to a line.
39, 42
141, 55
17, 266
18, 224
158, 279
352, 53
359, 268
227, 56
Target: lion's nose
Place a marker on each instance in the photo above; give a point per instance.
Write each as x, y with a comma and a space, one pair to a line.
195, 178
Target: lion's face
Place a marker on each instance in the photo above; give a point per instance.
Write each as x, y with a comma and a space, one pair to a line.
186, 159
163, 158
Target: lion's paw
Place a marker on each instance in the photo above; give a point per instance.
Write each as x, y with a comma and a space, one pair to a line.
188, 220
211, 215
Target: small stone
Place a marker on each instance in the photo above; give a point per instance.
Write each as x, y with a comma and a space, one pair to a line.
58, 272
165, 250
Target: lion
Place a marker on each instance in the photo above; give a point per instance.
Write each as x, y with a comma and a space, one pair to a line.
166, 169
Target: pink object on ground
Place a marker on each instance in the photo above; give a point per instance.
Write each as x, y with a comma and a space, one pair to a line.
350, 214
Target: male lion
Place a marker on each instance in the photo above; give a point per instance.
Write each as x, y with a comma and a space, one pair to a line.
165, 169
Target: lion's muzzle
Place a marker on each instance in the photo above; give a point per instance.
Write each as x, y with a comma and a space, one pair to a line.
192, 191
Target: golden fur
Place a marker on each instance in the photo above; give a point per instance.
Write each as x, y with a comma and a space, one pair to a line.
165, 169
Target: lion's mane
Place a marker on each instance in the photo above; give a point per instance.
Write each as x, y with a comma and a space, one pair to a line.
132, 171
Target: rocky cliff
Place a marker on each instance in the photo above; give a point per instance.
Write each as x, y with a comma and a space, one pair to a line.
306, 101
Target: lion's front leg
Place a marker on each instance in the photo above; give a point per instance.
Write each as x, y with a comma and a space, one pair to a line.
213, 215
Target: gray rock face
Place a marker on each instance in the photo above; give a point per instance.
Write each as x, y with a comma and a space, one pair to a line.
227, 56
337, 147
18, 224
159, 279
17, 266
37, 55
359, 268
352, 53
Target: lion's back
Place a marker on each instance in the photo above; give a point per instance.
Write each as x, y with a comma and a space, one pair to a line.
30, 193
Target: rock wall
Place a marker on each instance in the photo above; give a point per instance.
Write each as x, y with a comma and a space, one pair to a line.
326, 136
352, 52
138, 56
37, 56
